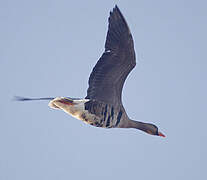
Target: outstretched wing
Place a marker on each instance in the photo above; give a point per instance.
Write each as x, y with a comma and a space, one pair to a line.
108, 76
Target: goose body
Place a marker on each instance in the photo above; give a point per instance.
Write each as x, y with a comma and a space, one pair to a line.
91, 112
102, 107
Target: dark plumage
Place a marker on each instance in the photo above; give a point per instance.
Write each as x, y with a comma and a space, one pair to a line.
102, 107
109, 74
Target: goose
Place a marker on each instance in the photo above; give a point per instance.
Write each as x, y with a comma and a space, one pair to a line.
102, 107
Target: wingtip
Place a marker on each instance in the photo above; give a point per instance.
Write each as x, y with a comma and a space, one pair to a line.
116, 8
18, 98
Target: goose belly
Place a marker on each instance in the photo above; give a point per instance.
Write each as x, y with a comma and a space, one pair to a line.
77, 110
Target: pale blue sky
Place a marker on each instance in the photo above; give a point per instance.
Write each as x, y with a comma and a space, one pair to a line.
48, 48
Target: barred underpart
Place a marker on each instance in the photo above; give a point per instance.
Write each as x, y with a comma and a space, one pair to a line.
106, 115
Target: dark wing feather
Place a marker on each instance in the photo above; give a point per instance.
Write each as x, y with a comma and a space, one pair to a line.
109, 74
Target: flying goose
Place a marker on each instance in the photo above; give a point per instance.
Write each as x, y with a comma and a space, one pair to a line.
102, 107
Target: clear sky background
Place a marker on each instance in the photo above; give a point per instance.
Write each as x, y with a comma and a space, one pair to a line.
48, 48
